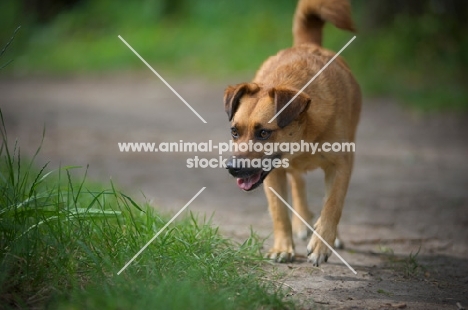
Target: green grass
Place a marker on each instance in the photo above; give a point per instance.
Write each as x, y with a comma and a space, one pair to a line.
412, 267
408, 267
417, 60
63, 241
209, 39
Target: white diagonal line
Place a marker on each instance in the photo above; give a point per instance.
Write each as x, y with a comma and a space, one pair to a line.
312, 79
163, 80
160, 231
313, 230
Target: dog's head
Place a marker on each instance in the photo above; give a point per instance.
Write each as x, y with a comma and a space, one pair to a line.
250, 107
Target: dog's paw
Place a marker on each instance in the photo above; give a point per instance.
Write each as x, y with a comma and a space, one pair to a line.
300, 229
279, 256
317, 251
282, 250
339, 244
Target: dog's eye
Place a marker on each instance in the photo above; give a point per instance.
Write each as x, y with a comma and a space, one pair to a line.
234, 133
264, 134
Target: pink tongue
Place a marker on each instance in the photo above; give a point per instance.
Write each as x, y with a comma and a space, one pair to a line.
247, 183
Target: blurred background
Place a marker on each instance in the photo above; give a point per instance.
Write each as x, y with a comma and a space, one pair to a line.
416, 51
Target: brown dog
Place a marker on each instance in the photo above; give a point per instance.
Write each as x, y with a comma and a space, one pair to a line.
326, 111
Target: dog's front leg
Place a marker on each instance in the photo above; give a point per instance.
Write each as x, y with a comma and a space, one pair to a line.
283, 246
336, 182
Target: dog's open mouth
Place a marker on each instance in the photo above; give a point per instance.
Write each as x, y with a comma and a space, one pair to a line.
253, 181
249, 178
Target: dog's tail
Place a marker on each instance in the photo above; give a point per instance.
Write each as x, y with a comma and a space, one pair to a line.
311, 15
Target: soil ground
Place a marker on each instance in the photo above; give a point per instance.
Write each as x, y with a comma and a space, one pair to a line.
406, 215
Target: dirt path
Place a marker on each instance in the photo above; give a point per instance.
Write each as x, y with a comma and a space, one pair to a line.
409, 191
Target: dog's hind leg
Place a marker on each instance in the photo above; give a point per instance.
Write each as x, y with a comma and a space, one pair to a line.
299, 202
338, 244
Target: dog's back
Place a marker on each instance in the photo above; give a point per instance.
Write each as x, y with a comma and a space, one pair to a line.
335, 92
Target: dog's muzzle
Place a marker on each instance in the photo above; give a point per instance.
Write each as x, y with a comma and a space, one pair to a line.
247, 178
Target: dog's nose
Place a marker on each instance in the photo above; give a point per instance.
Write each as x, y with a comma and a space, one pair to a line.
231, 167
234, 166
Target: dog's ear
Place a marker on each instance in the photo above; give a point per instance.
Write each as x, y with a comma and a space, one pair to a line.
282, 96
233, 94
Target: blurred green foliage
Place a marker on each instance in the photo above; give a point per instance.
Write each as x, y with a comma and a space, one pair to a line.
416, 51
